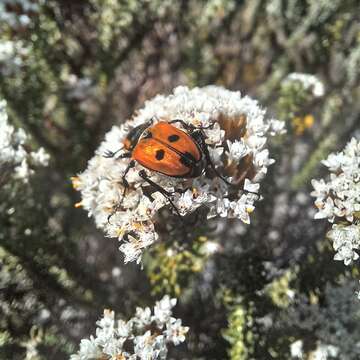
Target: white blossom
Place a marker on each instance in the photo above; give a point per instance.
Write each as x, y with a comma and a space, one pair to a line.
338, 200
236, 133
325, 351
296, 349
162, 310
309, 82
211, 247
12, 17
345, 239
88, 350
16, 161
277, 127
147, 335
175, 332
40, 157
237, 150
11, 55
251, 187
143, 316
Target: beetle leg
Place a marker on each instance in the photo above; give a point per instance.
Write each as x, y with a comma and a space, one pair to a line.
126, 186
183, 123
113, 212
110, 154
147, 192
161, 190
200, 137
123, 178
130, 233
191, 127
180, 191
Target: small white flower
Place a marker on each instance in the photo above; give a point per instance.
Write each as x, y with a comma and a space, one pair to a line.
23, 171
243, 208
338, 201
11, 55
175, 332
345, 240
296, 349
12, 18
41, 157
123, 328
133, 249
185, 202
309, 82
143, 316
277, 127
210, 248
320, 186
89, 349
346, 254
326, 209
251, 187
142, 343
222, 207
162, 310
237, 150
14, 158
144, 348
325, 351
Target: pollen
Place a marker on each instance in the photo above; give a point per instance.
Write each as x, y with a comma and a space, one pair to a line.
120, 357
76, 182
195, 192
121, 231
309, 121
302, 123
138, 226
78, 204
107, 312
249, 209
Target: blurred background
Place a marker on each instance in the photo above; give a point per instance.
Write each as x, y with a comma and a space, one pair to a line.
69, 70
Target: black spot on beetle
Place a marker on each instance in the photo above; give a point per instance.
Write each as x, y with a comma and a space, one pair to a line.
159, 154
173, 138
187, 159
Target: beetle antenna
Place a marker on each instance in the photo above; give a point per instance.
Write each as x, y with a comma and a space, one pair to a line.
110, 154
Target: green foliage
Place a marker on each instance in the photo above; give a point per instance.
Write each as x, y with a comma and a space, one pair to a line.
280, 291
239, 334
170, 268
293, 100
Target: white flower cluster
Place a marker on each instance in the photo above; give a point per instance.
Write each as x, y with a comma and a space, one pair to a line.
309, 83
146, 336
236, 133
322, 351
15, 160
12, 17
338, 200
11, 56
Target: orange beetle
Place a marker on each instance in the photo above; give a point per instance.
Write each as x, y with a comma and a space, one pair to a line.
168, 150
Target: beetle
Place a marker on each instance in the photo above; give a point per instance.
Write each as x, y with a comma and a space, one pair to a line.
168, 150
